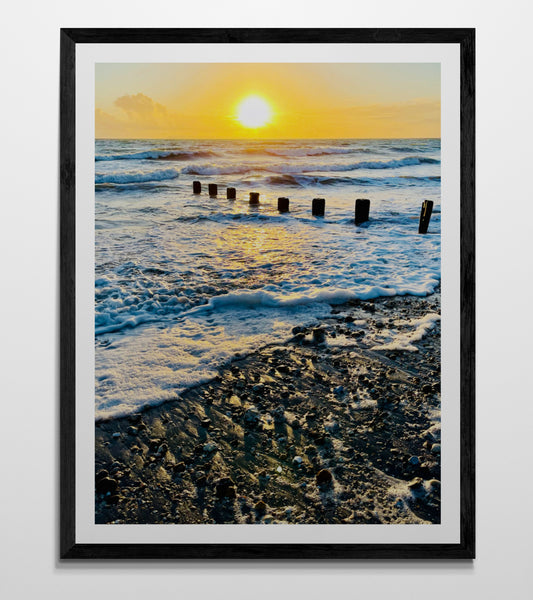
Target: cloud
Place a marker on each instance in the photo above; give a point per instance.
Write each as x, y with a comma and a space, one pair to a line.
140, 106
137, 115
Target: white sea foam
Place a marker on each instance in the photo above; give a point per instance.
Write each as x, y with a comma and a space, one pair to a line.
159, 362
137, 176
172, 154
407, 333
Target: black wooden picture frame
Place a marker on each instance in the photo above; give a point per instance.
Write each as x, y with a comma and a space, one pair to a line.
69, 547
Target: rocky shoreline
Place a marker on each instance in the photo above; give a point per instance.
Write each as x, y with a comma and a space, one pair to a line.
339, 425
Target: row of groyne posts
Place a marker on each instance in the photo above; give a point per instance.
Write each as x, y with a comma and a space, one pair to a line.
318, 207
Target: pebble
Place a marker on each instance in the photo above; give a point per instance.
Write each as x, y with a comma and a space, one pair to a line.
332, 426
106, 485
102, 474
415, 483
132, 430
434, 485
116, 435
339, 390
252, 415
323, 477
279, 414
297, 461
163, 449
260, 507
435, 449
201, 481
210, 447
263, 476
225, 488
414, 460
319, 335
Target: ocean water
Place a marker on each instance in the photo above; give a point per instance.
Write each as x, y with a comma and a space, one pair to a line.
184, 282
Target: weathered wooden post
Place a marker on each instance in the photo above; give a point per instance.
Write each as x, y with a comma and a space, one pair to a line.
362, 210
213, 189
196, 187
283, 205
425, 216
231, 193
319, 207
254, 197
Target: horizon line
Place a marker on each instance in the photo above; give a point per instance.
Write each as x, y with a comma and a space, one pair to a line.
244, 139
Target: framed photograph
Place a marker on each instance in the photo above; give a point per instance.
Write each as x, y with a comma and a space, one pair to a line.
267, 293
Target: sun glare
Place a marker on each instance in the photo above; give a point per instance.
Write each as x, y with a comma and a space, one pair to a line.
254, 112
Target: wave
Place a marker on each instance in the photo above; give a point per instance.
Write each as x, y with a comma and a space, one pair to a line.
243, 169
260, 298
408, 161
146, 186
290, 180
307, 180
137, 176
303, 152
156, 155
231, 169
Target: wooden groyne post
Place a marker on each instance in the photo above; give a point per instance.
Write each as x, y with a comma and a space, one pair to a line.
362, 210
425, 216
213, 189
254, 197
318, 207
231, 193
283, 205
196, 187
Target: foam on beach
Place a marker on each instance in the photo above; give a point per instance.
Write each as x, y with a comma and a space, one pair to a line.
164, 361
405, 333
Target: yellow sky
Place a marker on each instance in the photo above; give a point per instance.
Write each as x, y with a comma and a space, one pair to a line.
188, 101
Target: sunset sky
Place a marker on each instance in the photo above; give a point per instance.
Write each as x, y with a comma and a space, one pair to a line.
196, 100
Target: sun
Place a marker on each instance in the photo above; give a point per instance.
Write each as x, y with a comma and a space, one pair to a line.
253, 112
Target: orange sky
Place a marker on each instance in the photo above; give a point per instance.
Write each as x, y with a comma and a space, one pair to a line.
325, 100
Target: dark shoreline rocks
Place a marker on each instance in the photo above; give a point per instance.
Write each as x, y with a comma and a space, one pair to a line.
308, 431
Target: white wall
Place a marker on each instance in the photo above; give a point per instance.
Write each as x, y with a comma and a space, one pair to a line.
29, 205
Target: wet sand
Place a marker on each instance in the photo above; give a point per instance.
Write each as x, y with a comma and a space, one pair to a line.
321, 429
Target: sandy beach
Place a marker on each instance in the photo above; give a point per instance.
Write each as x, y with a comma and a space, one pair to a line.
325, 428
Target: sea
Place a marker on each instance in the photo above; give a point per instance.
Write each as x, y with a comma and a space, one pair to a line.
186, 282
